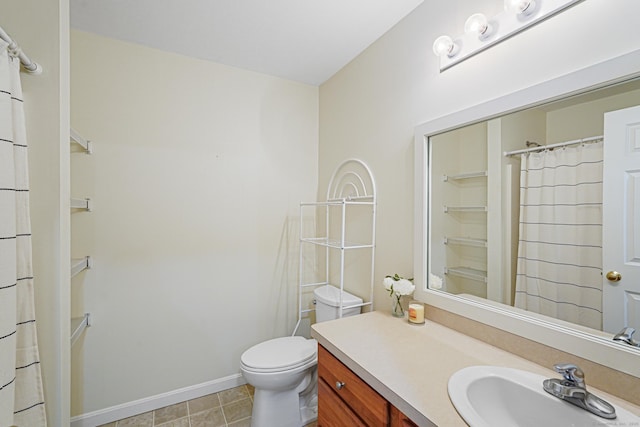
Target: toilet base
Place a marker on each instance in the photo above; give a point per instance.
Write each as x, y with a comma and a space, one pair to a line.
309, 400
309, 414
284, 408
273, 408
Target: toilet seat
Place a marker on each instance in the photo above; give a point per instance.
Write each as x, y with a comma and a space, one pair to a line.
280, 354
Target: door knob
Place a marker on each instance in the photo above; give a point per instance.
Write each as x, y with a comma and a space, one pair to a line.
614, 276
339, 385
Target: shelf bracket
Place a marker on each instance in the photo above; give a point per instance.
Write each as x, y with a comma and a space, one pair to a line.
80, 264
85, 204
78, 325
84, 143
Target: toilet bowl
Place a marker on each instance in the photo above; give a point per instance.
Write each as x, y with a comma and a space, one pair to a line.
284, 370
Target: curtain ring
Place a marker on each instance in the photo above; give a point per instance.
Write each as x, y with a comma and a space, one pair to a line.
14, 50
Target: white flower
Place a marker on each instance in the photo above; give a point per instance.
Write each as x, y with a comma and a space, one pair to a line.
388, 283
435, 282
398, 285
403, 287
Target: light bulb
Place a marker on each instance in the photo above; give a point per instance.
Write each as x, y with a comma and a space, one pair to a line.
479, 25
520, 7
444, 45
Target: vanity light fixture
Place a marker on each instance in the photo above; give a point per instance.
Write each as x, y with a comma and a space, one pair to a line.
520, 7
445, 46
478, 25
481, 33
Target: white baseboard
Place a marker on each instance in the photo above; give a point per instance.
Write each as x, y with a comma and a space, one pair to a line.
129, 409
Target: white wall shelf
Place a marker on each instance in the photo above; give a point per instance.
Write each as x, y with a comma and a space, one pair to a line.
467, 273
78, 325
84, 143
465, 241
84, 204
464, 176
448, 209
80, 264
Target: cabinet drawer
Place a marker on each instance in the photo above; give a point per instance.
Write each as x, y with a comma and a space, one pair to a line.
332, 411
372, 408
398, 419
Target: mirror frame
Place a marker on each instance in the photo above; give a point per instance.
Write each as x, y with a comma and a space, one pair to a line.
561, 335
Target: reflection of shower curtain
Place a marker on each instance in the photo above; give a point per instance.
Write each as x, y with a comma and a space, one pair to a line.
21, 396
559, 271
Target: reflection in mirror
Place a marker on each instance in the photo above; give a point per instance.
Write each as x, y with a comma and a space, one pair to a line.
523, 226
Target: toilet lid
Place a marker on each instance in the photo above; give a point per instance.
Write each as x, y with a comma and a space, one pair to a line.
280, 353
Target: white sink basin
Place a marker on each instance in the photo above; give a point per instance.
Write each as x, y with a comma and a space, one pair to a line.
492, 396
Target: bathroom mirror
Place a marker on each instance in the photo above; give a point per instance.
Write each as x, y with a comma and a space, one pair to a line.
468, 204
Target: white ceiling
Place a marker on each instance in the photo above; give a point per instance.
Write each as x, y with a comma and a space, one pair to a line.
301, 40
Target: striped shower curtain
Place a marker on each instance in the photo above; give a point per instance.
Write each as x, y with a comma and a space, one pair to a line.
559, 269
21, 395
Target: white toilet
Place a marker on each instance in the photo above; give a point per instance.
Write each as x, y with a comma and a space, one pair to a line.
283, 370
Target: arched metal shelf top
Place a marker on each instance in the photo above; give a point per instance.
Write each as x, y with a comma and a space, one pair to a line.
353, 181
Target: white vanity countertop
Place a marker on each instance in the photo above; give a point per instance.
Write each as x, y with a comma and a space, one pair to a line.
410, 365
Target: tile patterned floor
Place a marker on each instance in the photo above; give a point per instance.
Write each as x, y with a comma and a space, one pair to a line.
228, 408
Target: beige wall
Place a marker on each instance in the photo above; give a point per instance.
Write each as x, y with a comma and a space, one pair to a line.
587, 119
197, 175
370, 108
168, 261
41, 29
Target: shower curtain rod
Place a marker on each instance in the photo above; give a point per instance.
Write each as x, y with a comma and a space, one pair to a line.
559, 144
29, 66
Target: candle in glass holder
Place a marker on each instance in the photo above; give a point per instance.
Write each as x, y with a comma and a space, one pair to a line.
416, 312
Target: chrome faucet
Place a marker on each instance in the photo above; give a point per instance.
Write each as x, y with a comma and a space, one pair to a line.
626, 336
573, 389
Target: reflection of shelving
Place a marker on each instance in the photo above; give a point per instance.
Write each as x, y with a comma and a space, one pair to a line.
465, 207
448, 209
78, 325
467, 273
465, 241
80, 264
81, 204
462, 176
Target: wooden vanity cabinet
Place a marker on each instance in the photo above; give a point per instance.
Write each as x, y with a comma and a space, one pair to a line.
332, 411
398, 419
345, 400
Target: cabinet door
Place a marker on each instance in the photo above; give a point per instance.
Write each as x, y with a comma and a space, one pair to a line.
398, 419
364, 401
332, 411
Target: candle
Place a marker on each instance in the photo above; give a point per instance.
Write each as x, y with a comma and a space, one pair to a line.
416, 312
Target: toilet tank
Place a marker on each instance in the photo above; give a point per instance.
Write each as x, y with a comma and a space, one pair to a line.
328, 303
